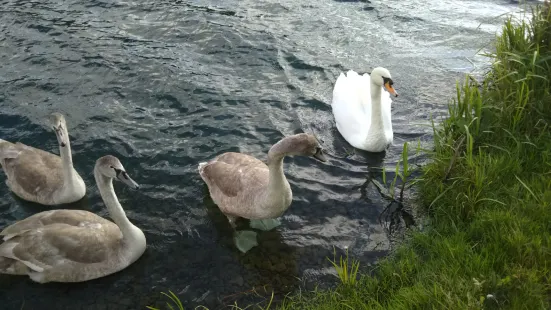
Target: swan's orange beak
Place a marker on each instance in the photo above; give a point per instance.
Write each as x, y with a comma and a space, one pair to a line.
391, 89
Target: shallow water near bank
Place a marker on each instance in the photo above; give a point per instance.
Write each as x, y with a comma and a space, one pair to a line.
164, 85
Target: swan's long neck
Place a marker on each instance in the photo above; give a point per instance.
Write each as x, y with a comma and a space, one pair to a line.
107, 192
277, 181
278, 185
67, 161
376, 111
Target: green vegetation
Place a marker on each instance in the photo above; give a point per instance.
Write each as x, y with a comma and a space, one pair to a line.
487, 193
173, 300
346, 272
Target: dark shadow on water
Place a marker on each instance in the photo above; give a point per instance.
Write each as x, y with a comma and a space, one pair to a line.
349, 152
270, 266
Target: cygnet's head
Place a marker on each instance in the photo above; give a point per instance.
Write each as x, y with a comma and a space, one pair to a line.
300, 144
57, 121
111, 167
381, 77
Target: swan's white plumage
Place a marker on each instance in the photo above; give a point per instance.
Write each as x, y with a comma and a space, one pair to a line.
352, 109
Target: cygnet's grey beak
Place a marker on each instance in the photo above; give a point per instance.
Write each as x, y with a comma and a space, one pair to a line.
60, 136
319, 155
125, 178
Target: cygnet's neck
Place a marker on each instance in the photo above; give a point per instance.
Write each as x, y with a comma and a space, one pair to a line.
277, 182
69, 177
275, 165
107, 192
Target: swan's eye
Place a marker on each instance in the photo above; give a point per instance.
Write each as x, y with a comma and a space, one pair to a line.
388, 80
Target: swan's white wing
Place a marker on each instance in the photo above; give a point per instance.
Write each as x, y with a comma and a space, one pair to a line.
387, 115
351, 107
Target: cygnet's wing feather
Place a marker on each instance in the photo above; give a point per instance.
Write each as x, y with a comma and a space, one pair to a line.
50, 245
240, 159
7, 150
59, 244
60, 216
33, 172
232, 173
232, 177
223, 176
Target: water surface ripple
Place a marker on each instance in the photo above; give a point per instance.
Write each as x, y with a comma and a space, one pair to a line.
164, 85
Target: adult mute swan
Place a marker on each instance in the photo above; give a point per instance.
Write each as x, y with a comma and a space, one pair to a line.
39, 176
362, 109
75, 245
243, 186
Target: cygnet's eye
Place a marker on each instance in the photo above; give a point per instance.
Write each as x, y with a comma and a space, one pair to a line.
119, 171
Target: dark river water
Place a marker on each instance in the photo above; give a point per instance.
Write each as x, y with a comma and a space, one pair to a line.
164, 85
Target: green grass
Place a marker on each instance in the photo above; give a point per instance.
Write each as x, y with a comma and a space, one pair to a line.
487, 193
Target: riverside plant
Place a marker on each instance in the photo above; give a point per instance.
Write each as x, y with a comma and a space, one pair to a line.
346, 268
173, 300
402, 178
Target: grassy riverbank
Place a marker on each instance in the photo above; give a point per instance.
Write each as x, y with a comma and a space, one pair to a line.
487, 192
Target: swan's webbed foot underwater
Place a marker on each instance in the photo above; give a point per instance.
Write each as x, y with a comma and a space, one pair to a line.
265, 224
246, 239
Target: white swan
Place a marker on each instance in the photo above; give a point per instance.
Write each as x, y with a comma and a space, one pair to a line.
243, 186
362, 109
39, 176
75, 245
